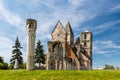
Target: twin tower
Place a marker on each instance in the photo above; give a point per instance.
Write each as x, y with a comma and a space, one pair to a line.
63, 53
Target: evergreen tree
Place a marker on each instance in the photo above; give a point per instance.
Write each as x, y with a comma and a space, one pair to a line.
1, 62
1, 59
39, 54
17, 59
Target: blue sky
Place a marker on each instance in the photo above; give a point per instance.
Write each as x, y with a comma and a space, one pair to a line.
102, 17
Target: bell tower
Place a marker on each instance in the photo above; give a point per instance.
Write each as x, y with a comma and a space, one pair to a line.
86, 43
31, 26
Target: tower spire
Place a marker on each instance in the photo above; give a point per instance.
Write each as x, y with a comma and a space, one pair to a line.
68, 28
70, 34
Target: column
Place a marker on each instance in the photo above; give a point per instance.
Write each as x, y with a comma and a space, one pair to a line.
31, 34
55, 64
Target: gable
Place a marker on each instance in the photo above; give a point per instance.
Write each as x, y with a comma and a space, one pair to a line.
58, 28
58, 32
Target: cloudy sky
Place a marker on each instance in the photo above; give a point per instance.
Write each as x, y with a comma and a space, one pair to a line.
102, 17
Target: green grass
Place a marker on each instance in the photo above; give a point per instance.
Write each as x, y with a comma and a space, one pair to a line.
59, 75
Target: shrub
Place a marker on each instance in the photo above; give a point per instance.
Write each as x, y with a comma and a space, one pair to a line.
11, 66
1, 65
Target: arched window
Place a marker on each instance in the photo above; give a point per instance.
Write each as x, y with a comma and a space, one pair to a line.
85, 36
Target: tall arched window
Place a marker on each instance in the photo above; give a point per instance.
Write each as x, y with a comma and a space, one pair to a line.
85, 36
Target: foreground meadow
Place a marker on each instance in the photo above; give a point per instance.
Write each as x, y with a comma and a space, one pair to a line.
59, 75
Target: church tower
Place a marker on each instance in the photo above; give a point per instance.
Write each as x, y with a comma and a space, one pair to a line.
70, 35
86, 42
31, 34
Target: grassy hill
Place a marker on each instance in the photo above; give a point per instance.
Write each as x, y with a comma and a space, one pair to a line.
59, 75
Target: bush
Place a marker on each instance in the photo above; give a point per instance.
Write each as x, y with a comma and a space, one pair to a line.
23, 66
11, 66
1, 65
1, 59
5, 66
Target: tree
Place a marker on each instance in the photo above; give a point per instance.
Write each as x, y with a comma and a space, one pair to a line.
11, 66
24, 65
3, 65
17, 59
39, 54
1, 59
111, 67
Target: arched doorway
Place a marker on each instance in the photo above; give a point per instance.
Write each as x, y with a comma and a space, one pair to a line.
58, 55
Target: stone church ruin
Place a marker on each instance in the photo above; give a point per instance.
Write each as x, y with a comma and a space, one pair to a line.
64, 54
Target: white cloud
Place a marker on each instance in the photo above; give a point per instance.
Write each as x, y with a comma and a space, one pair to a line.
11, 18
76, 2
115, 8
103, 27
43, 30
110, 44
72, 13
6, 48
106, 48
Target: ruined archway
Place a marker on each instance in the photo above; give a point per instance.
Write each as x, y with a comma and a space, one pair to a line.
58, 55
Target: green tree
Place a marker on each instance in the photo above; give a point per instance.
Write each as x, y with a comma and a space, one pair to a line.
3, 65
1, 59
11, 66
17, 59
111, 67
39, 54
24, 65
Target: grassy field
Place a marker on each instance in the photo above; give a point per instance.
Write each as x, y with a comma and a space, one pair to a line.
59, 75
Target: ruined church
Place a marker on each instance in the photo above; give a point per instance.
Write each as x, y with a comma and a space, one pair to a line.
66, 54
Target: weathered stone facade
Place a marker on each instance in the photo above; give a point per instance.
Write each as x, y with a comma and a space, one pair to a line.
31, 34
64, 54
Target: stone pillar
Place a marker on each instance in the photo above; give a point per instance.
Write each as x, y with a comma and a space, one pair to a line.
47, 60
47, 57
60, 66
56, 65
64, 56
31, 34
